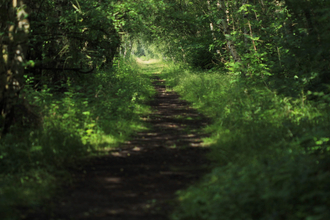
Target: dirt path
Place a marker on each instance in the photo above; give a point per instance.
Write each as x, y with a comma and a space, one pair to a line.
139, 180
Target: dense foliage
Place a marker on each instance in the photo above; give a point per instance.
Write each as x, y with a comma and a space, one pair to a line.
51, 41
273, 41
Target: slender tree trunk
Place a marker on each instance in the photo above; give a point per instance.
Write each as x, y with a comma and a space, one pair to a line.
225, 29
14, 27
245, 30
4, 8
214, 38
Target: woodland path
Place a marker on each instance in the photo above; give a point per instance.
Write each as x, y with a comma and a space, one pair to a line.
139, 180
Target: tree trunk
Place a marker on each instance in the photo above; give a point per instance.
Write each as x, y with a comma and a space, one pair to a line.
225, 29
14, 27
214, 38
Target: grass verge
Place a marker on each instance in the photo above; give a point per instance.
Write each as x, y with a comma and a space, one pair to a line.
270, 152
83, 117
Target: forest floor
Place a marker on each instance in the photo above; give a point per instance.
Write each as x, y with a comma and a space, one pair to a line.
139, 179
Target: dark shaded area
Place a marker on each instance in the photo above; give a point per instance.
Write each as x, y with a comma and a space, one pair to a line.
139, 180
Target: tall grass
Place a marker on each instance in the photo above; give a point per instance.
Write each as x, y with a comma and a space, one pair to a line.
84, 117
270, 152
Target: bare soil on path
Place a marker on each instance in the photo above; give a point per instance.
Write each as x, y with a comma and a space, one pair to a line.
138, 181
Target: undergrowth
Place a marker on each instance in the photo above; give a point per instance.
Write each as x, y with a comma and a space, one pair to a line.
270, 151
82, 117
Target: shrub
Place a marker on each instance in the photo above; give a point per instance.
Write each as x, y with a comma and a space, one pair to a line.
270, 152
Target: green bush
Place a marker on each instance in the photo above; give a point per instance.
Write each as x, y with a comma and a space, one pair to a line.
288, 187
270, 152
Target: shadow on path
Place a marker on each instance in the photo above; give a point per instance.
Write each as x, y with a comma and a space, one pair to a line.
139, 180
